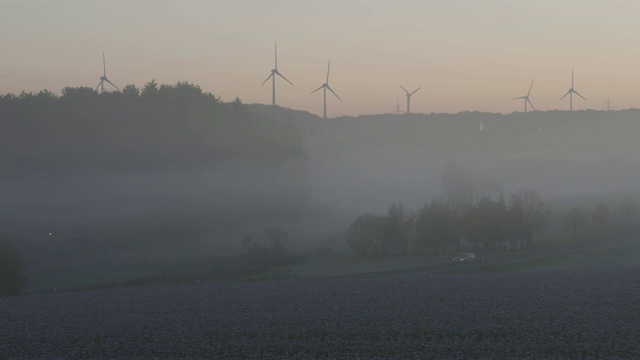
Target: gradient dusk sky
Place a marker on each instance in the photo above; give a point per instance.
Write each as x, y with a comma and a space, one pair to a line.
467, 55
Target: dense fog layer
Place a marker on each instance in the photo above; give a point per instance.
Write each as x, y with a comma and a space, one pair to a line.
168, 164
369, 162
169, 170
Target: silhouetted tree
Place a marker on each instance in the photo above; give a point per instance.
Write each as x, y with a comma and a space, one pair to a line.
533, 211
460, 192
574, 219
516, 228
12, 280
459, 189
397, 230
79, 95
131, 91
46, 96
150, 88
274, 254
364, 235
433, 226
601, 216
485, 222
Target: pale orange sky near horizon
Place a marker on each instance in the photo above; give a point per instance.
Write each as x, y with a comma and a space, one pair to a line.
466, 55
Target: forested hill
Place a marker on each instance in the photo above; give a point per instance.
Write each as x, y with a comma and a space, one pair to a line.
160, 127
543, 132
580, 132
157, 158
176, 155
368, 162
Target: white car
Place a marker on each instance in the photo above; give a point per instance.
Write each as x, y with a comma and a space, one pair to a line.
465, 257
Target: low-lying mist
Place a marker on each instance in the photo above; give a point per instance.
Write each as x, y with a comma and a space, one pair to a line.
369, 162
169, 171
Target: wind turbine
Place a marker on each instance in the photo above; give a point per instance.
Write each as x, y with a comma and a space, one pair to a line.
103, 78
275, 72
326, 86
526, 98
570, 92
409, 97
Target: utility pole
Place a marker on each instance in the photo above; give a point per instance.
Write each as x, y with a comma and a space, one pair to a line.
608, 105
398, 107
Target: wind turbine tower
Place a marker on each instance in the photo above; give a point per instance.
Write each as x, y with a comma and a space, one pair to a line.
570, 92
409, 97
526, 98
275, 72
103, 78
326, 86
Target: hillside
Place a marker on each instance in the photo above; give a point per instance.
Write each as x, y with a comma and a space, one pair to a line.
166, 164
368, 162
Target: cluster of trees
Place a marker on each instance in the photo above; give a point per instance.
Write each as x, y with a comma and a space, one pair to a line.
463, 214
158, 126
484, 222
576, 219
373, 234
174, 148
141, 172
12, 280
459, 215
275, 252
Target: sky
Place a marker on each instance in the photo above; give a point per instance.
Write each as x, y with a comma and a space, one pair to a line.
467, 55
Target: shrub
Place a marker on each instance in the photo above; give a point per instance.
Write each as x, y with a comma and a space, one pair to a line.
12, 279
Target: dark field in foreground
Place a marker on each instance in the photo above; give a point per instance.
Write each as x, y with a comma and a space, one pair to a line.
540, 314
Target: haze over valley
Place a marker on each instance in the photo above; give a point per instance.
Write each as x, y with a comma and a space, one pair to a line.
333, 179
179, 166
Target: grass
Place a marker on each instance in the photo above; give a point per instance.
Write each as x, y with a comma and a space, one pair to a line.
148, 272
549, 253
606, 254
340, 265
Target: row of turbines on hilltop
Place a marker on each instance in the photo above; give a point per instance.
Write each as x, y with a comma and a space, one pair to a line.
275, 72
569, 92
272, 76
324, 86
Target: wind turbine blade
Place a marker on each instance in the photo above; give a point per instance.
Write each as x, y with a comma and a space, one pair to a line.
100, 83
529, 93
265, 80
563, 96
575, 92
287, 80
276, 48
416, 90
405, 90
114, 85
328, 68
530, 104
521, 97
334, 93
317, 89
572, 78
104, 65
